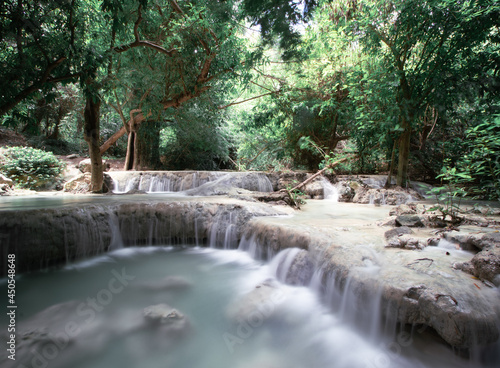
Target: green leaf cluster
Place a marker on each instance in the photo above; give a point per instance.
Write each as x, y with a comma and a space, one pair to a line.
31, 168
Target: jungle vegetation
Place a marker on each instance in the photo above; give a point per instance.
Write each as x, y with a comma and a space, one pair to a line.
407, 88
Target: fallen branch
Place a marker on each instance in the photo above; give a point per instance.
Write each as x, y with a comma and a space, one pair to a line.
308, 180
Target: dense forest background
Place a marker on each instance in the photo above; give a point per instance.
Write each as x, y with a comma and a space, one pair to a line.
405, 87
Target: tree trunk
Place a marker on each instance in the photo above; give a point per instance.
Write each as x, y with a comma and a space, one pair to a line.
147, 147
129, 159
91, 135
388, 184
404, 155
105, 146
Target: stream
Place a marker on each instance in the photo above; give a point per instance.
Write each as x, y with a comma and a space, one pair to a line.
227, 304
210, 288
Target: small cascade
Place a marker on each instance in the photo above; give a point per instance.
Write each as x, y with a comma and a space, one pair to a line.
160, 184
280, 265
209, 182
252, 246
116, 236
263, 183
224, 233
330, 192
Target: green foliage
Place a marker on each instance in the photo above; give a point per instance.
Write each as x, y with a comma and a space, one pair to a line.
450, 193
482, 162
31, 168
295, 196
279, 20
196, 138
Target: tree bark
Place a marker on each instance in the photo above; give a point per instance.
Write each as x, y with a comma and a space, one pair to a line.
105, 146
129, 159
91, 135
147, 146
388, 183
404, 155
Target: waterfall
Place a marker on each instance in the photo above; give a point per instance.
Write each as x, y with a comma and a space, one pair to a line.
330, 192
223, 232
281, 263
172, 181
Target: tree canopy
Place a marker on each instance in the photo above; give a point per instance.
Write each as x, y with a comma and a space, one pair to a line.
267, 84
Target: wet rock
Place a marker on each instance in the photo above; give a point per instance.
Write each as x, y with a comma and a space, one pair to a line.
466, 267
487, 263
346, 192
390, 221
272, 198
165, 317
260, 303
473, 241
394, 196
409, 220
81, 184
403, 209
252, 181
398, 231
301, 270
466, 241
407, 242
314, 189
434, 221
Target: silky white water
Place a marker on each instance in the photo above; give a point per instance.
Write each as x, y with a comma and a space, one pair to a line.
105, 298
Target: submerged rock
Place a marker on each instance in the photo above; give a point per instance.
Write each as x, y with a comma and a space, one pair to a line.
166, 318
169, 283
260, 303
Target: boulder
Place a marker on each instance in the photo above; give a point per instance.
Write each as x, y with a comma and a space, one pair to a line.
314, 189
407, 242
409, 220
487, 264
85, 166
81, 184
165, 317
398, 231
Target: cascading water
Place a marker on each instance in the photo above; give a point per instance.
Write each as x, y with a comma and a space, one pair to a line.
208, 182
153, 306
330, 192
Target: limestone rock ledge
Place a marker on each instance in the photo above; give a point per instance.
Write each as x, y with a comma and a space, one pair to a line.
43, 238
405, 285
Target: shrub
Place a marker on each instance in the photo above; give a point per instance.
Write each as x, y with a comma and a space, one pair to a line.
30, 167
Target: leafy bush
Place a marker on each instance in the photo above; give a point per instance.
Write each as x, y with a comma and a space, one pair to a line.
30, 167
482, 162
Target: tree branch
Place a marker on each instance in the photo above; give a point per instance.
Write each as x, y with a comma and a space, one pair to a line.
31, 89
248, 99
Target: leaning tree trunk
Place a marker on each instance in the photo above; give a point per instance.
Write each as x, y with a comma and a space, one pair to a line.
130, 157
91, 134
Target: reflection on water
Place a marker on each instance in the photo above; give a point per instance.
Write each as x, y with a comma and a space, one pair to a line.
189, 308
